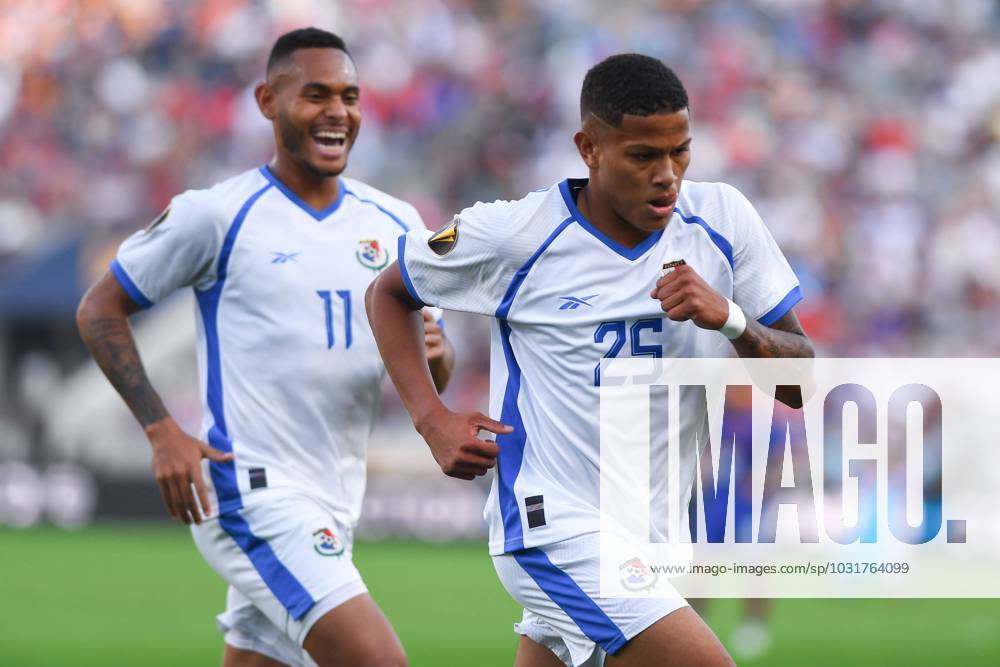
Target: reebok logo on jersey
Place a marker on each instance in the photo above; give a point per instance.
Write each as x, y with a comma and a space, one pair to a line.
444, 241
284, 257
574, 302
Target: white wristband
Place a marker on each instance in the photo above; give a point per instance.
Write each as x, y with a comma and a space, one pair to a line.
736, 324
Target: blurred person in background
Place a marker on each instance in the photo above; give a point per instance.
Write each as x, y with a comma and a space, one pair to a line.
278, 257
630, 262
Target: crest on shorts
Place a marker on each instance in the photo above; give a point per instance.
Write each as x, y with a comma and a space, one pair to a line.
159, 220
636, 576
444, 241
372, 255
326, 543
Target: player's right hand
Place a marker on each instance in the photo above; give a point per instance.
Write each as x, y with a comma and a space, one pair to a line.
455, 443
177, 466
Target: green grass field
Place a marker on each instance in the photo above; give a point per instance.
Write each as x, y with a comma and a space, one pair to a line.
136, 595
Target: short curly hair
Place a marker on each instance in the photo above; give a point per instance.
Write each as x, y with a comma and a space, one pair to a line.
630, 83
303, 38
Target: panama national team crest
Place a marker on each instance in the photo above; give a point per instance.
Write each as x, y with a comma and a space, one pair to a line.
372, 255
326, 543
445, 240
636, 575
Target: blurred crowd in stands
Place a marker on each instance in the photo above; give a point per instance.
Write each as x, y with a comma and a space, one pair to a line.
866, 132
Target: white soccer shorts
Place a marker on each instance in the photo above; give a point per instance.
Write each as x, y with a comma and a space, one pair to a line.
287, 562
558, 585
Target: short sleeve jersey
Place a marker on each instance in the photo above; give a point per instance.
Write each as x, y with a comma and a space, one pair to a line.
290, 374
563, 295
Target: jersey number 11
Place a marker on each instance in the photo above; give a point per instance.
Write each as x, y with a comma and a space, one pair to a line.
345, 296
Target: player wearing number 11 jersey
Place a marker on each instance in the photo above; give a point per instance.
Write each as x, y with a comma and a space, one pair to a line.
570, 274
279, 258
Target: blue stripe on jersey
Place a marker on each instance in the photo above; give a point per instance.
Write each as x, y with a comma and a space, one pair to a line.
515, 284
223, 474
566, 593
289, 591
511, 448
406, 275
785, 305
379, 207
295, 199
628, 253
512, 444
718, 239
133, 291
286, 588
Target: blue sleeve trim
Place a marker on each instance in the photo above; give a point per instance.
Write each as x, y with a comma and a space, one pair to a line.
406, 275
785, 305
118, 271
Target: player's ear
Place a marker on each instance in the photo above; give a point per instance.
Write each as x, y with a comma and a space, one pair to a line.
265, 100
587, 147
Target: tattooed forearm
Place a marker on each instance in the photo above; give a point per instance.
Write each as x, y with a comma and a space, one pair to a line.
784, 339
113, 347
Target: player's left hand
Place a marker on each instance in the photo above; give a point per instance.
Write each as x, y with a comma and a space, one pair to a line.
433, 338
683, 295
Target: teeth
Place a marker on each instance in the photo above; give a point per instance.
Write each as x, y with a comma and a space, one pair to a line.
325, 134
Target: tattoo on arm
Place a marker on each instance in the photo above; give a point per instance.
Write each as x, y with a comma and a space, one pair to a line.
113, 347
783, 339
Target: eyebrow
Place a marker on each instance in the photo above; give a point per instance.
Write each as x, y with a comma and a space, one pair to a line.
326, 88
658, 149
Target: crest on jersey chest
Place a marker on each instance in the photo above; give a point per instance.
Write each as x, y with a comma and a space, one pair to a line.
372, 254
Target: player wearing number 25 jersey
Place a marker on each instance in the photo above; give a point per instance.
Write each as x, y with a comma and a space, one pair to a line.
279, 258
561, 296
571, 274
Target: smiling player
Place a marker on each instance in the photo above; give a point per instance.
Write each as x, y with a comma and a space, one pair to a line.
571, 274
279, 258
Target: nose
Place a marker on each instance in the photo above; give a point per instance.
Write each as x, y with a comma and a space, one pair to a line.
335, 108
664, 175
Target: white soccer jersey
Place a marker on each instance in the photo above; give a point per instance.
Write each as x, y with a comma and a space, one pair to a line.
563, 296
290, 374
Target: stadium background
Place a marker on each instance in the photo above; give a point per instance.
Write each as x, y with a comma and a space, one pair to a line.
867, 133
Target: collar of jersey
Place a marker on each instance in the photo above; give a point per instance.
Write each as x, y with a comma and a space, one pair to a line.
628, 253
295, 199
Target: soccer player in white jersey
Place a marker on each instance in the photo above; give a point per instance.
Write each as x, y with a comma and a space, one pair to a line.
279, 258
571, 274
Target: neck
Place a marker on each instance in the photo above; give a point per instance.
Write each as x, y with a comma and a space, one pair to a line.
315, 190
596, 208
